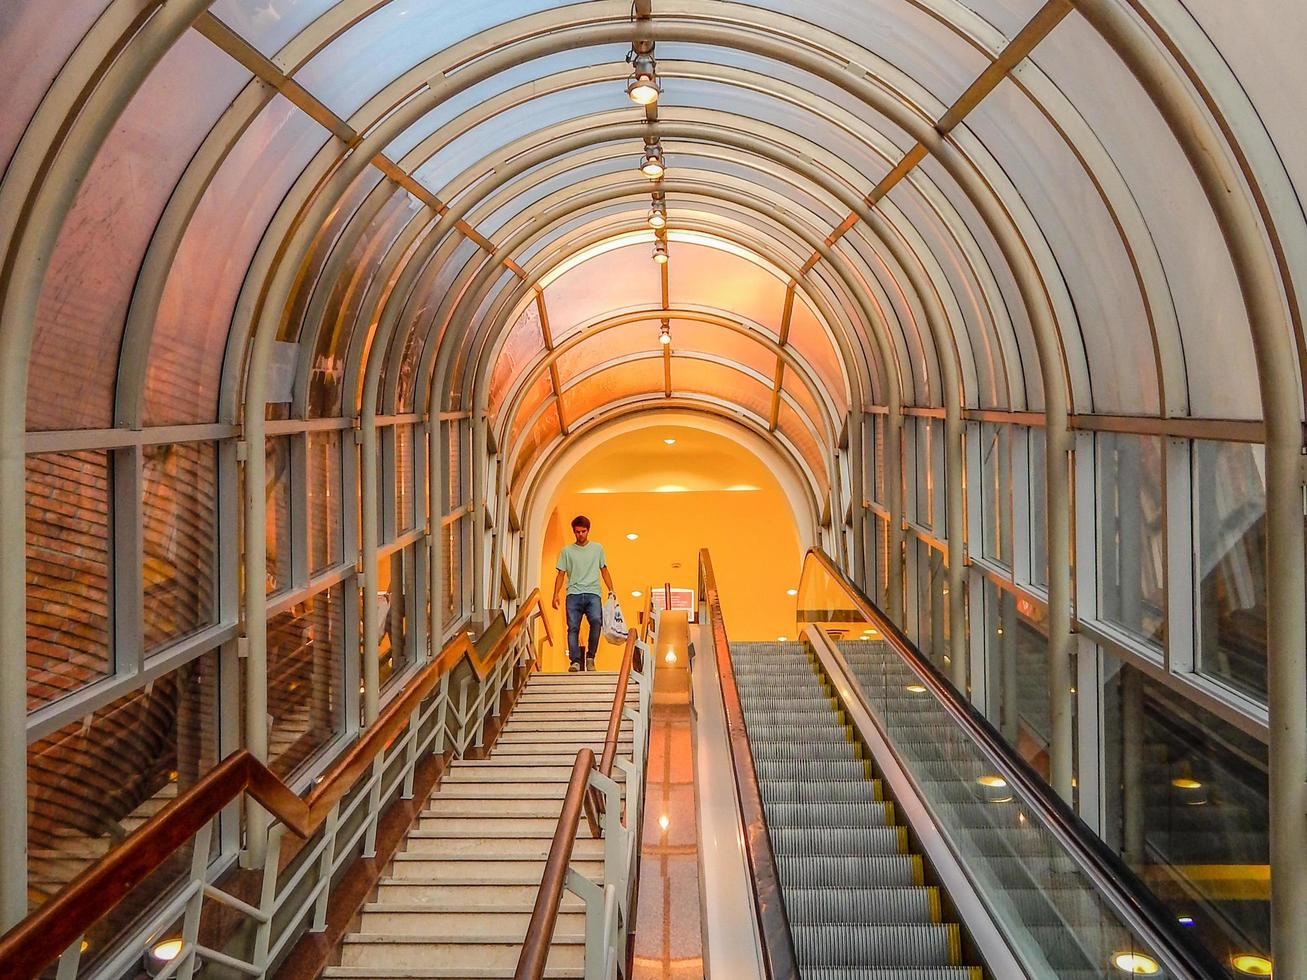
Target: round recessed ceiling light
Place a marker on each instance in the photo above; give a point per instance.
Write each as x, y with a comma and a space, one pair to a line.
916, 688
636, 594
791, 591
632, 536
669, 442
782, 639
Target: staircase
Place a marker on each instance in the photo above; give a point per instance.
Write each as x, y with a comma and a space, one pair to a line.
853, 892
458, 898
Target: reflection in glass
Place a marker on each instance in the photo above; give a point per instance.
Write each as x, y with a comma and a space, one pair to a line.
397, 586
404, 477
1230, 562
1186, 799
1131, 534
97, 779
278, 531
1038, 504
326, 532
179, 540
67, 573
306, 646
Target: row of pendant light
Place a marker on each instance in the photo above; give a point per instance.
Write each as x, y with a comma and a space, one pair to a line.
643, 88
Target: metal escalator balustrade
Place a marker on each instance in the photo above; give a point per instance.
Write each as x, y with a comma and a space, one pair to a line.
1063, 904
854, 893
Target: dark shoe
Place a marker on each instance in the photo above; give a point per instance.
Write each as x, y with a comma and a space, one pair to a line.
573, 667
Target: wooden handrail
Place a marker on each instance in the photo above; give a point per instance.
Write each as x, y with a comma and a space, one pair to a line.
594, 800
534, 957
779, 959
44, 935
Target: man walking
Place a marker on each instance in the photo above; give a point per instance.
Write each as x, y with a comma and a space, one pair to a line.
582, 564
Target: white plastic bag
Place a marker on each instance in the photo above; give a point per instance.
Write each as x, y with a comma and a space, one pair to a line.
615, 630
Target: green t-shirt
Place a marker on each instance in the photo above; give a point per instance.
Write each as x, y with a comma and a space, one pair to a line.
582, 566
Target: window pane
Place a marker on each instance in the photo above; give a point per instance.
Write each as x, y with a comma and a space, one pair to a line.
396, 584
67, 574
404, 476
1038, 510
277, 527
1230, 551
101, 777
324, 509
179, 540
306, 648
1131, 538
996, 490
1187, 809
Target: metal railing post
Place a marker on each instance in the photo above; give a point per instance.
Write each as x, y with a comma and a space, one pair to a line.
326, 862
374, 806
411, 754
195, 904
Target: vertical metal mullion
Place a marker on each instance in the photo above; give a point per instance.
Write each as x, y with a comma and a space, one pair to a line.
1085, 494
229, 611
352, 614
1019, 502
1089, 733
1179, 653
126, 588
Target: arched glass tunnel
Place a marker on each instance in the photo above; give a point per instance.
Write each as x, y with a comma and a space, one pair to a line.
308, 307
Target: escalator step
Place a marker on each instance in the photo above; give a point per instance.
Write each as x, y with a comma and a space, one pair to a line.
828, 814
849, 871
791, 769
878, 945
793, 841
817, 791
862, 905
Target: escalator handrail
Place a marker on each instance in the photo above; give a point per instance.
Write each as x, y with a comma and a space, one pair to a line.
43, 936
594, 799
1138, 907
779, 959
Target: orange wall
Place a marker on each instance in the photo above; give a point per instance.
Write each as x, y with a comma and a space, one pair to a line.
750, 532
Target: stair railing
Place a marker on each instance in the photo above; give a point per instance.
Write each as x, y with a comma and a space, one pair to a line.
614, 812
777, 942
345, 805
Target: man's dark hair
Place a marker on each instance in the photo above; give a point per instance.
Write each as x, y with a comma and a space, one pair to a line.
581, 521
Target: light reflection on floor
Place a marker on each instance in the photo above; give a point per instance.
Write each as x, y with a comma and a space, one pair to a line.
668, 940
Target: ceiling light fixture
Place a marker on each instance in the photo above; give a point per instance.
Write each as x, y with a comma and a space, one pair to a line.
652, 164
1251, 965
1136, 964
665, 337
657, 216
632, 536
669, 442
791, 591
644, 86
660, 256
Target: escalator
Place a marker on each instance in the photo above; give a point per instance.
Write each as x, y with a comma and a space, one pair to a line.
885, 830
853, 890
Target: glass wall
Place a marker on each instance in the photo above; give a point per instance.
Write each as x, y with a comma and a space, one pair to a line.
1131, 534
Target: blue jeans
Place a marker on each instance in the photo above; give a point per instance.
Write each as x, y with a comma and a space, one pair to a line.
588, 605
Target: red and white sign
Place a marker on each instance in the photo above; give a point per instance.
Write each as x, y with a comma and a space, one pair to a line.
680, 599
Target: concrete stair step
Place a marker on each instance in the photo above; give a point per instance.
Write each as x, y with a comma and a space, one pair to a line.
554, 759
486, 771
555, 712
442, 973
401, 952
529, 736
468, 895
439, 807
491, 826
465, 923
482, 868
498, 849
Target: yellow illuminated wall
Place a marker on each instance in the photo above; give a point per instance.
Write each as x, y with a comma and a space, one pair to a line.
704, 490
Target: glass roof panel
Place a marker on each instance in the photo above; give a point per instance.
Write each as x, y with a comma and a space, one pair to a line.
622, 278
35, 41
817, 87
398, 36
493, 225
613, 384
811, 341
190, 333
708, 338
1275, 84
541, 390
1027, 367
509, 78
1213, 322
608, 345
1009, 16
707, 276
807, 404
791, 426
1085, 239
482, 140
700, 95
545, 429
901, 33
522, 345
724, 383
92, 274
269, 24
